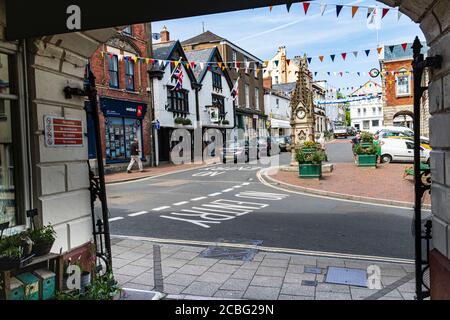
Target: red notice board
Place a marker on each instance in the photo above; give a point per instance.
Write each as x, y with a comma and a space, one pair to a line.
62, 132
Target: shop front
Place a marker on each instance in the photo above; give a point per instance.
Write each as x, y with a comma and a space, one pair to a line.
123, 123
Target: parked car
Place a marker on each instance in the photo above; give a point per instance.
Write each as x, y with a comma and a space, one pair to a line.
401, 150
401, 132
284, 143
240, 151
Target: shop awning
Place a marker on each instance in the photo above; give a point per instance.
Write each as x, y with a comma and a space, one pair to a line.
280, 124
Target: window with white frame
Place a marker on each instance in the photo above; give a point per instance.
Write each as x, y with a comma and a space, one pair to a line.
256, 98
403, 85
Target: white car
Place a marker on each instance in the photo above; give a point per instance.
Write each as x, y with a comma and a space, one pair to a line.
401, 150
399, 131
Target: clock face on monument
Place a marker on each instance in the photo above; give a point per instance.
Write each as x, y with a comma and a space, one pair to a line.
301, 113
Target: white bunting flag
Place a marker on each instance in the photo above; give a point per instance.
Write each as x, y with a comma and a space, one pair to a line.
323, 7
355, 53
399, 15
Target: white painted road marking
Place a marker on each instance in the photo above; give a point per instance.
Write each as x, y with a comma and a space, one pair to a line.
138, 214
198, 199
115, 219
161, 208
181, 203
227, 190
215, 194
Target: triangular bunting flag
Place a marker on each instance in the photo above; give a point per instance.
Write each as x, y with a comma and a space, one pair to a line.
355, 53
367, 52
270, 8
306, 7
288, 61
391, 48
329, 73
332, 57
315, 74
379, 50
369, 11
385, 12
276, 63
338, 10
288, 6
404, 46
321, 58
344, 55
309, 60
323, 7
359, 74
354, 11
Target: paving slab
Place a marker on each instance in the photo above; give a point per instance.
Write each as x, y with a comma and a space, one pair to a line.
180, 279
288, 297
327, 287
128, 255
173, 262
333, 296
297, 290
207, 262
131, 270
261, 293
299, 277
214, 277
225, 268
173, 289
271, 271
144, 262
205, 289
275, 263
193, 270
229, 294
236, 284
244, 274
266, 281
187, 255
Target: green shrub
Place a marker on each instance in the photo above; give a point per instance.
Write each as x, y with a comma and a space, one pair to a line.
313, 158
367, 137
359, 150
45, 235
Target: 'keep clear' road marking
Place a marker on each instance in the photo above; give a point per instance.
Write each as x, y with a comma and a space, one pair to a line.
116, 219
138, 214
161, 208
222, 210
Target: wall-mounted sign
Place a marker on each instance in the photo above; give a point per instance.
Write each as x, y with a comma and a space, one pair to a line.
214, 114
62, 132
122, 108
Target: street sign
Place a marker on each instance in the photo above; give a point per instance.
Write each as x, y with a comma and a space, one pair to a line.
26, 19
62, 132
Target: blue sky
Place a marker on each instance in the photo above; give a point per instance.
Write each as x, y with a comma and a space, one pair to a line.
261, 32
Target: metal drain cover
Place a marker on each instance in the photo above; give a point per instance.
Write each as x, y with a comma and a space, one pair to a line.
309, 283
346, 276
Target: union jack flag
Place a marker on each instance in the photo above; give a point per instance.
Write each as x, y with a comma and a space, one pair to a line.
235, 90
178, 75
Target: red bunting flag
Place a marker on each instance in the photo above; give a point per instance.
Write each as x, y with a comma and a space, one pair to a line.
306, 7
344, 55
321, 58
354, 11
404, 46
379, 50
270, 8
385, 12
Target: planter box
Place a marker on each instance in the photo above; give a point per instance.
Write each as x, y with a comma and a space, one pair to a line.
366, 145
367, 161
310, 171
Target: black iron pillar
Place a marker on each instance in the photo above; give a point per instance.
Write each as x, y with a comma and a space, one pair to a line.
421, 177
97, 182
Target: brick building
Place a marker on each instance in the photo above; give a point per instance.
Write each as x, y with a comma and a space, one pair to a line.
124, 96
398, 88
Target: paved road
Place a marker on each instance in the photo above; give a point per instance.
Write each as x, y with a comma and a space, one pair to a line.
340, 151
228, 202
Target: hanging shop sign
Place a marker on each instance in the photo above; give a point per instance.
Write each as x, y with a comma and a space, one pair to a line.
62, 132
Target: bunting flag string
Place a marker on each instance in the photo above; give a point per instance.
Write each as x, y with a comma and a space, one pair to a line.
339, 7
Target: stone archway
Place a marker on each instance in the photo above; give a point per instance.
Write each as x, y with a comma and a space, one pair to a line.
433, 16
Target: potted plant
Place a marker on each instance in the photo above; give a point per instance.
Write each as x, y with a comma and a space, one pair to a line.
367, 157
309, 147
15, 251
183, 121
43, 239
225, 122
310, 163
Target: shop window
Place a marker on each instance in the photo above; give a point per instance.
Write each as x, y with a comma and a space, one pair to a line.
129, 74
113, 67
257, 98
178, 100
120, 133
366, 125
375, 123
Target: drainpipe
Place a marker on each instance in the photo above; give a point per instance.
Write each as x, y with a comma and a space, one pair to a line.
151, 102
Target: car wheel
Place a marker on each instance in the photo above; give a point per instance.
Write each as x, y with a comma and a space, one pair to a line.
386, 158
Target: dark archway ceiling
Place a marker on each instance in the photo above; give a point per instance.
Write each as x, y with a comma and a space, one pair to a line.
25, 18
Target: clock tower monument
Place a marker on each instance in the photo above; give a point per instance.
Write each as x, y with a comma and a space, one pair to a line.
302, 110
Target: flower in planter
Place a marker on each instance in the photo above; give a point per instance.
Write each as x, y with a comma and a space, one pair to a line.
367, 137
359, 150
316, 157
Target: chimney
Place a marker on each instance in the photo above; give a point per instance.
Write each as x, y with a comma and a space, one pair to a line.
165, 35
267, 82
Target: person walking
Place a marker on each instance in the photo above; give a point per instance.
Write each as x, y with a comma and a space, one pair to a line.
135, 156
